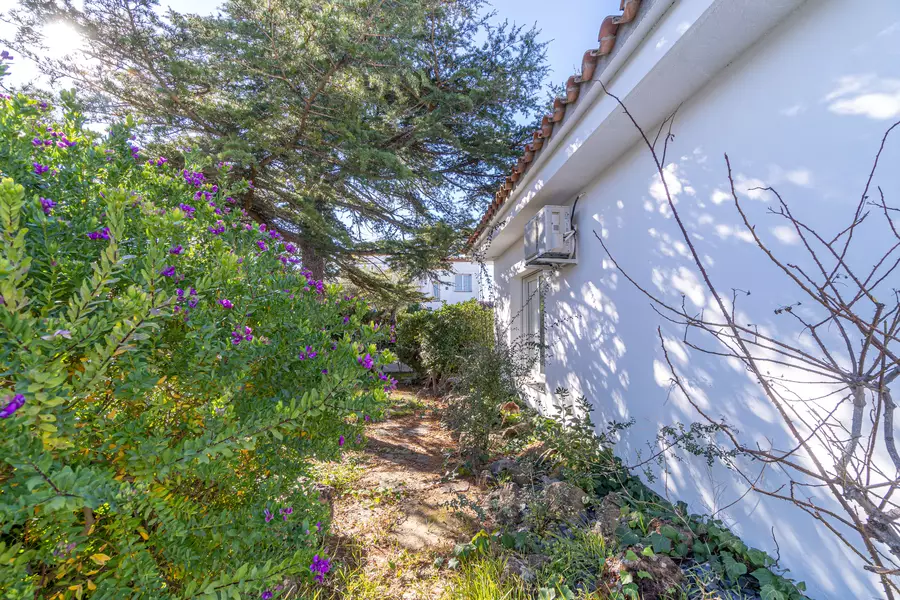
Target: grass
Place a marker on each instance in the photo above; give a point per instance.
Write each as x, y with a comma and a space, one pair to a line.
342, 476
482, 579
576, 560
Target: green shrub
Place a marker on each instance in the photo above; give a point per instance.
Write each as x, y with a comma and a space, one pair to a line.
438, 343
487, 382
409, 331
165, 370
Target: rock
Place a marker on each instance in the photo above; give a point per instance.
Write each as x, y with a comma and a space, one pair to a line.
485, 478
507, 503
515, 567
664, 574
504, 465
510, 407
515, 431
524, 568
564, 501
608, 516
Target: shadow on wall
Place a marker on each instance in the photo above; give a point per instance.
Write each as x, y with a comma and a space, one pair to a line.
810, 127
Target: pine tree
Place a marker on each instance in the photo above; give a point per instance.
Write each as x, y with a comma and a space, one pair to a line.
378, 125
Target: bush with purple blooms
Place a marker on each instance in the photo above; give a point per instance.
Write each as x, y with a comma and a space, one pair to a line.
163, 380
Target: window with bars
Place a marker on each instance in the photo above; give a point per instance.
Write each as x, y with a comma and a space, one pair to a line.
534, 320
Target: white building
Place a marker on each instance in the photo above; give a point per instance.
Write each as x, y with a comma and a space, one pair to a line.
799, 94
466, 280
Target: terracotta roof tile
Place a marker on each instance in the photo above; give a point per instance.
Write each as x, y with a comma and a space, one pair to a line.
607, 39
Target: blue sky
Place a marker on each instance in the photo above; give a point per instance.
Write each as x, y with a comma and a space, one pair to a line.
570, 27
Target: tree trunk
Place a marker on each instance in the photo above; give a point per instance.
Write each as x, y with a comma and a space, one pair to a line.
312, 260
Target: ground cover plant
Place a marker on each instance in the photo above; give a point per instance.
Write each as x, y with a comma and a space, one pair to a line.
166, 368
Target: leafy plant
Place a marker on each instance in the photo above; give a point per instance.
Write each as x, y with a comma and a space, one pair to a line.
166, 370
571, 439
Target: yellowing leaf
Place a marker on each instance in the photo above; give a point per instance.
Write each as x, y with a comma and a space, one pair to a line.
143, 533
91, 585
100, 559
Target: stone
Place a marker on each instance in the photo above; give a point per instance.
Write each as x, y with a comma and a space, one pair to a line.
504, 465
515, 431
664, 574
524, 568
510, 407
564, 502
485, 478
608, 516
516, 567
507, 503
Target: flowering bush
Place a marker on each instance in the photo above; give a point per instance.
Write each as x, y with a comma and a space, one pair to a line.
166, 368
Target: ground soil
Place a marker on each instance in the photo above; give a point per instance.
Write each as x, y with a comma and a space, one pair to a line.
403, 511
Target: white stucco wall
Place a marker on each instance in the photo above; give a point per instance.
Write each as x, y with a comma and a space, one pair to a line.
480, 284
804, 110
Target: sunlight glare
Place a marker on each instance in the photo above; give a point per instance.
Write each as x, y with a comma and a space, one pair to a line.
61, 39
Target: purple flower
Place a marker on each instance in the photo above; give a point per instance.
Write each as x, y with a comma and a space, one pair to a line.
236, 338
320, 566
367, 418
168, 272
346, 320
218, 229
188, 210
341, 441
12, 405
103, 234
290, 248
194, 178
40, 169
37, 142
179, 292
266, 595
286, 511
262, 245
366, 361
324, 371
226, 303
268, 514
319, 526
176, 249
48, 205
161, 161
5, 55
193, 302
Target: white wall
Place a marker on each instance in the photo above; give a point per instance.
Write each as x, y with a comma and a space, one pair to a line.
803, 110
480, 284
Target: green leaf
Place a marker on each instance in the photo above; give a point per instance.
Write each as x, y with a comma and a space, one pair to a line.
768, 592
763, 576
630, 555
661, 544
733, 568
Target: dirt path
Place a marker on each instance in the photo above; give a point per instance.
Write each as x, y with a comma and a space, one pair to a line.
394, 514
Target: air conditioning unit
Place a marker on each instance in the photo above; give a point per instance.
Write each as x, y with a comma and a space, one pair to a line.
549, 237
